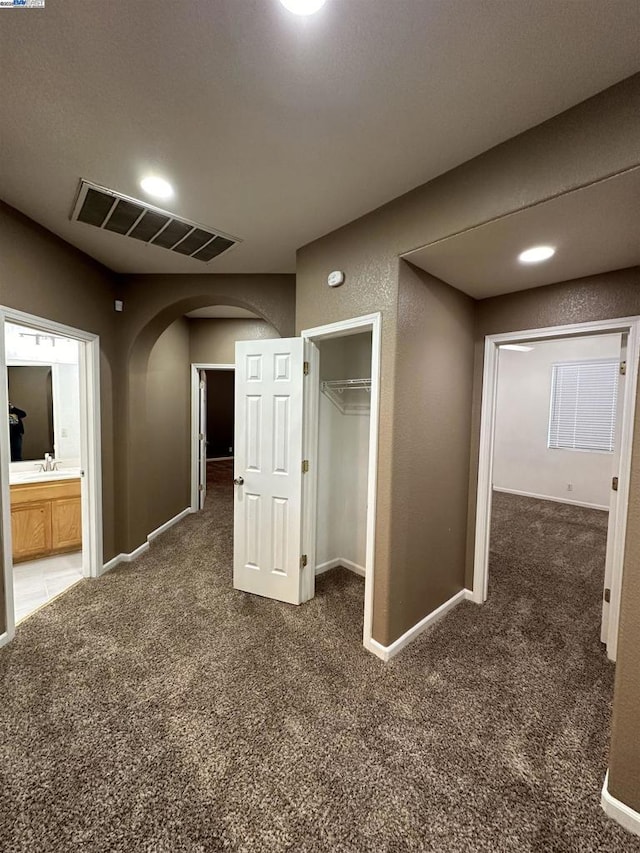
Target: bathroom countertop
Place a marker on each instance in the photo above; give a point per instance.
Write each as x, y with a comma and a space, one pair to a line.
18, 477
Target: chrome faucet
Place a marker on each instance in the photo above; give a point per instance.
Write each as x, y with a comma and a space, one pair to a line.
49, 464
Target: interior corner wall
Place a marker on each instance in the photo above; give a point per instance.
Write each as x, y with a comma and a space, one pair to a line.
213, 341
431, 435
168, 426
523, 462
44, 276
601, 297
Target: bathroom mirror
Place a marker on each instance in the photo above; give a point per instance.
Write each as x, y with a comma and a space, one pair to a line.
31, 392
43, 375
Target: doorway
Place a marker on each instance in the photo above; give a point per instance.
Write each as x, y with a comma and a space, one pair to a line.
212, 425
50, 471
341, 440
280, 530
589, 403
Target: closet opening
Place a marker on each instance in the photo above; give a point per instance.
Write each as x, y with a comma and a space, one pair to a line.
339, 492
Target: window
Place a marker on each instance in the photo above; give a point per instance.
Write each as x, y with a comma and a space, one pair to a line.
583, 405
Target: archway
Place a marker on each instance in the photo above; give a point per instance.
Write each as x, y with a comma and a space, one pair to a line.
144, 490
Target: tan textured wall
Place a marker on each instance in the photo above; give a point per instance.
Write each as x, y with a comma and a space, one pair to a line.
44, 276
568, 151
169, 425
214, 341
601, 297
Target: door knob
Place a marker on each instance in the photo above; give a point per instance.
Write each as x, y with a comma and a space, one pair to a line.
239, 481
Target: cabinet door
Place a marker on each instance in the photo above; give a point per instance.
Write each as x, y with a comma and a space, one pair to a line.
66, 524
31, 530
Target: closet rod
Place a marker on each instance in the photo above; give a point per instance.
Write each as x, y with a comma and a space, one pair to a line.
341, 385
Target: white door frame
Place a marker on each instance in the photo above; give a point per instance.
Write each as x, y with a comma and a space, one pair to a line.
196, 367
90, 450
626, 325
373, 323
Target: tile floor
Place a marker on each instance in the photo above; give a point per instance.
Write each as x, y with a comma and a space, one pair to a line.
38, 581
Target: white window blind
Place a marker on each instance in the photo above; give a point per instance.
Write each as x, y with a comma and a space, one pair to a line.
584, 395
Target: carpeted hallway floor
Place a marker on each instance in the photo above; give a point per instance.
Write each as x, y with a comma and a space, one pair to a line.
158, 710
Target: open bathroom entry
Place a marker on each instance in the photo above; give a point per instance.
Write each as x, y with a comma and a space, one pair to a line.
50, 471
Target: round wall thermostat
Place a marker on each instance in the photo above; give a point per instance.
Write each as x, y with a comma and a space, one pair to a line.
336, 278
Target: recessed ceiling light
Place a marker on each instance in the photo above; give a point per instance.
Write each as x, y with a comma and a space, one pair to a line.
156, 186
516, 347
536, 254
303, 7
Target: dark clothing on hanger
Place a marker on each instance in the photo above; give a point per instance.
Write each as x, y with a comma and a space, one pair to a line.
16, 431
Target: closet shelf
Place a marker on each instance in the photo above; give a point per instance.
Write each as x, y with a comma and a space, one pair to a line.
340, 392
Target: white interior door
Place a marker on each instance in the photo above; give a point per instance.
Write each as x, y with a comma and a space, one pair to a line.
612, 544
268, 468
202, 441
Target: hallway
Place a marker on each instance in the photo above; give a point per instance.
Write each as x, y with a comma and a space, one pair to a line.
158, 709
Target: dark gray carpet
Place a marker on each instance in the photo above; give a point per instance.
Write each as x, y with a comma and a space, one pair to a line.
159, 710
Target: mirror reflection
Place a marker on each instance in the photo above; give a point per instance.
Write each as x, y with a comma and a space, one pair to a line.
44, 396
30, 412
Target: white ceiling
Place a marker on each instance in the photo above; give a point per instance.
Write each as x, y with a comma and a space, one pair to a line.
226, 312
595, 229
277, 128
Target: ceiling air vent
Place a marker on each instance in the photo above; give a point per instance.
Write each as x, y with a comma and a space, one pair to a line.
113, 211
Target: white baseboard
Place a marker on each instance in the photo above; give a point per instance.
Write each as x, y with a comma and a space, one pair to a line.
163, 527
387, 652
550, 498
4, 639
140, 550
218, 458
340, 561
627, 817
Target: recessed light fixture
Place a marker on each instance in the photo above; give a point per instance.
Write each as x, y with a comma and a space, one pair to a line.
516, 347
303, 7
536, 254
155, 186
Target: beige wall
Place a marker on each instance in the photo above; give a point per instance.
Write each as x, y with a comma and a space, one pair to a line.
44, 276
168, 418
568, 151
214, 341
601, 297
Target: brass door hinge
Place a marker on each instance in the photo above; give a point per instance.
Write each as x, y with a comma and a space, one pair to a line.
303, 561
623, 368
305, 466
306, 368
607, 595
614, 484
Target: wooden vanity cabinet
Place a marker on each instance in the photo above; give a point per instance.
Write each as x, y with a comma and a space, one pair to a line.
46, 518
